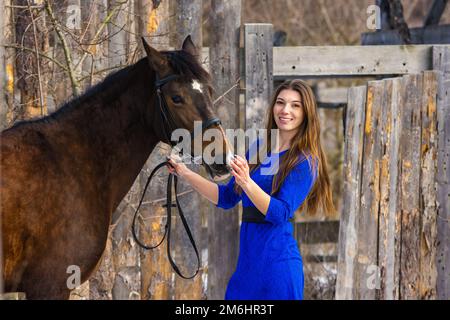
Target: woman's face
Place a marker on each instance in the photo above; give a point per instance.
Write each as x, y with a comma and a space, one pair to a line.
288, 110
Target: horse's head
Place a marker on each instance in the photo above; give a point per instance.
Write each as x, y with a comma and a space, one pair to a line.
183, 99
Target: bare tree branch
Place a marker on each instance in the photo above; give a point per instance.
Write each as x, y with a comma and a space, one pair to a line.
36, 46
67, 55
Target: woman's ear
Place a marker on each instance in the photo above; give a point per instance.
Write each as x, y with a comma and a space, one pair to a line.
156, 60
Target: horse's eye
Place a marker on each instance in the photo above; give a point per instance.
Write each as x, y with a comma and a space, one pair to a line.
177, 99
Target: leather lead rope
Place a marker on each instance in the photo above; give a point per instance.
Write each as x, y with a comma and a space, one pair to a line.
168, 225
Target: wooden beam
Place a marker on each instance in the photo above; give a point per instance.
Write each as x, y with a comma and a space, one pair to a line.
348, 235
428, 35
435, 13
223, 226
441, 62
344, 61
350, 60
258, 73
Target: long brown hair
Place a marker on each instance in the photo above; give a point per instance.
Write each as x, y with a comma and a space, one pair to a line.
306, 142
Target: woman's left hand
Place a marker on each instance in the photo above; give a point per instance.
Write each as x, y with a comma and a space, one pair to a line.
240, 171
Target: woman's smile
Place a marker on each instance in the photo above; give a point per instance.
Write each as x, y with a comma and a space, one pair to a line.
288, 110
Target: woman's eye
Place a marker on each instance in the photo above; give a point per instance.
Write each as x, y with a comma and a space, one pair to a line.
279, 102
177, 99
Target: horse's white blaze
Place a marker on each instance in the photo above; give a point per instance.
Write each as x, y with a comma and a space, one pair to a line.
197, 86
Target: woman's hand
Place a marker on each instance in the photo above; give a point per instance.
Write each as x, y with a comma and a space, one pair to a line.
176, 166
240, 171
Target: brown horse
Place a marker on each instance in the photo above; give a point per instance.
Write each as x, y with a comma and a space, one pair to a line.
62, 176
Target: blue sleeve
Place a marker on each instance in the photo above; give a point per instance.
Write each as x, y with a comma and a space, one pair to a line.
292, 193
227, 197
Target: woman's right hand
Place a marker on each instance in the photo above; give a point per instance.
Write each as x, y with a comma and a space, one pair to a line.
176, 166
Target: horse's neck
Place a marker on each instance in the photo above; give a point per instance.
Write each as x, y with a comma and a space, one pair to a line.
114, 134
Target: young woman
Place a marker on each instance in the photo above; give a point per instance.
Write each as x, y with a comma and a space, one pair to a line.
269, 264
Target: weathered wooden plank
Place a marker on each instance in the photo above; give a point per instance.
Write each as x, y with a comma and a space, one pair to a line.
441, 62
438, 34
428, 207
348, 230
343, 61
223, 250
350, 60
389, 219
435, 13
258, 72
156, 272
410, 187
188, 21
367, 279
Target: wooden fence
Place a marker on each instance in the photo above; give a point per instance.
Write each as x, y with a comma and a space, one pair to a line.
389, 238
126, 272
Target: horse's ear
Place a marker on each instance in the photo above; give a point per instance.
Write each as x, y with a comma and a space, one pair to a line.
156, 59
189, 47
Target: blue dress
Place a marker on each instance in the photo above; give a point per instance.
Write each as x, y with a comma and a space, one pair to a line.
269, 266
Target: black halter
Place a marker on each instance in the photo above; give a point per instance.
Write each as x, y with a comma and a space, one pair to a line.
168, 120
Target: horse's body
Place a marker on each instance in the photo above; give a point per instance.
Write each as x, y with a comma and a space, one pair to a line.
63, 176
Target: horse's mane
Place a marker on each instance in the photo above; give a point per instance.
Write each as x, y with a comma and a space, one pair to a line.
183, 64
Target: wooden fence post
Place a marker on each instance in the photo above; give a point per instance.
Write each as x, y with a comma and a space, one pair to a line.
441, 62
188, 21
348, 231
258, 42
223, 227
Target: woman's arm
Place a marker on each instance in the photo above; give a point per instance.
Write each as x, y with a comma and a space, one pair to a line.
292, 193
258, 196
206, 188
